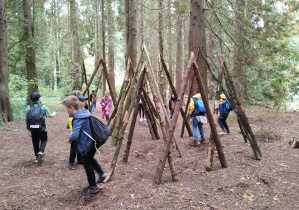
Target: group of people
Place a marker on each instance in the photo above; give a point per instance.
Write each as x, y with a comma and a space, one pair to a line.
81, 146
197, 114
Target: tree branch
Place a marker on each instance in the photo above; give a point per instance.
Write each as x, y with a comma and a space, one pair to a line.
218, 20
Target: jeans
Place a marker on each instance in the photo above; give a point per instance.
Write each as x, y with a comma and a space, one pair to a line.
94, 106
171, 113
222, 122
140, 109
39, 141
74, 152
91, 165
196, 124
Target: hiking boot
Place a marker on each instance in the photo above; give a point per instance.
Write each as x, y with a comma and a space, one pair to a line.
228, 132
90, 190
195, 144
40, 156
102, 177
71, 166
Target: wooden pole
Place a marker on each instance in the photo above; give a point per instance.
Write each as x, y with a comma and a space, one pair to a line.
112, 94
125, 119
131, 132
150, 118
85, 78
187, 105
179, 104
185, 121
91, 78
95, 92
210, 117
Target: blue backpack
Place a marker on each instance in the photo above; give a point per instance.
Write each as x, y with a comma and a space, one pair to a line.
227, 106
199, 104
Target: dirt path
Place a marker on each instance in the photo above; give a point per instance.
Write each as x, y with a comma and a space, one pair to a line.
272, 183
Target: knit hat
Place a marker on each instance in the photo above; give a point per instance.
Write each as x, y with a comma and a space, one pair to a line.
222, 96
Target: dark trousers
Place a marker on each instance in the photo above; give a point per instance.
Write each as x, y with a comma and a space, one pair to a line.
39, 141
74, 152
91, 165
140, 109
222, 122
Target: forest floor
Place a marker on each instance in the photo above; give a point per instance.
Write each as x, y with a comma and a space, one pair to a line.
271, 183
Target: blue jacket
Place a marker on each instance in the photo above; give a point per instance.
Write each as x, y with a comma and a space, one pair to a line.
81, 122
222, 108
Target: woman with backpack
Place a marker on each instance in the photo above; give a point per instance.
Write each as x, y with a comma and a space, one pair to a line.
224, 109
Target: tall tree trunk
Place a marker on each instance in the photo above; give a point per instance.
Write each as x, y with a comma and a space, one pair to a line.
96, 34
169, 43
111, 29
212, 47
239, 51
75, 52
30, 47
179, 40
5, 107
131, 41
162, 80
141, 24
197, 37
103, 43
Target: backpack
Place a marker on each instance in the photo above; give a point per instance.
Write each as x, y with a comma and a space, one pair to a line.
199, 104
35, 118
227, 106
100, 132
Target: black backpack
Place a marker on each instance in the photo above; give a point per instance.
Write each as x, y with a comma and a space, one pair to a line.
100, 132
35, 118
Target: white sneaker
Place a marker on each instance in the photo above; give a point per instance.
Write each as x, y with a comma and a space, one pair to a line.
222, 133
144, 119
141, 119
36, 160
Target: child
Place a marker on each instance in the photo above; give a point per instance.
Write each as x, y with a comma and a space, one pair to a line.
171, 104
141, 109
93, 98
106, 106
198, 118
74, 150
85, 145
39, 137
223, 115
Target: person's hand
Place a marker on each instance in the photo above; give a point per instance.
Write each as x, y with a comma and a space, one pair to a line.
190, 120
69, 141
54, 114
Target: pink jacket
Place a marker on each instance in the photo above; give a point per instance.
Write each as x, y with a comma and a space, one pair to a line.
106, 103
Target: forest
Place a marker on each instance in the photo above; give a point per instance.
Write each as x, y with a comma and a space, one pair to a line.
143, 52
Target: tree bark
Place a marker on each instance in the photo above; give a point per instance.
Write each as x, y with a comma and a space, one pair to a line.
131, 41
197, 37
111, 29
179, 40
75, 52
239, 49
30, 47
103, 44
6, 114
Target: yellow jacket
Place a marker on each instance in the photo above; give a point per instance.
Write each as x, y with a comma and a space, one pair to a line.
71, 117
192, 105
